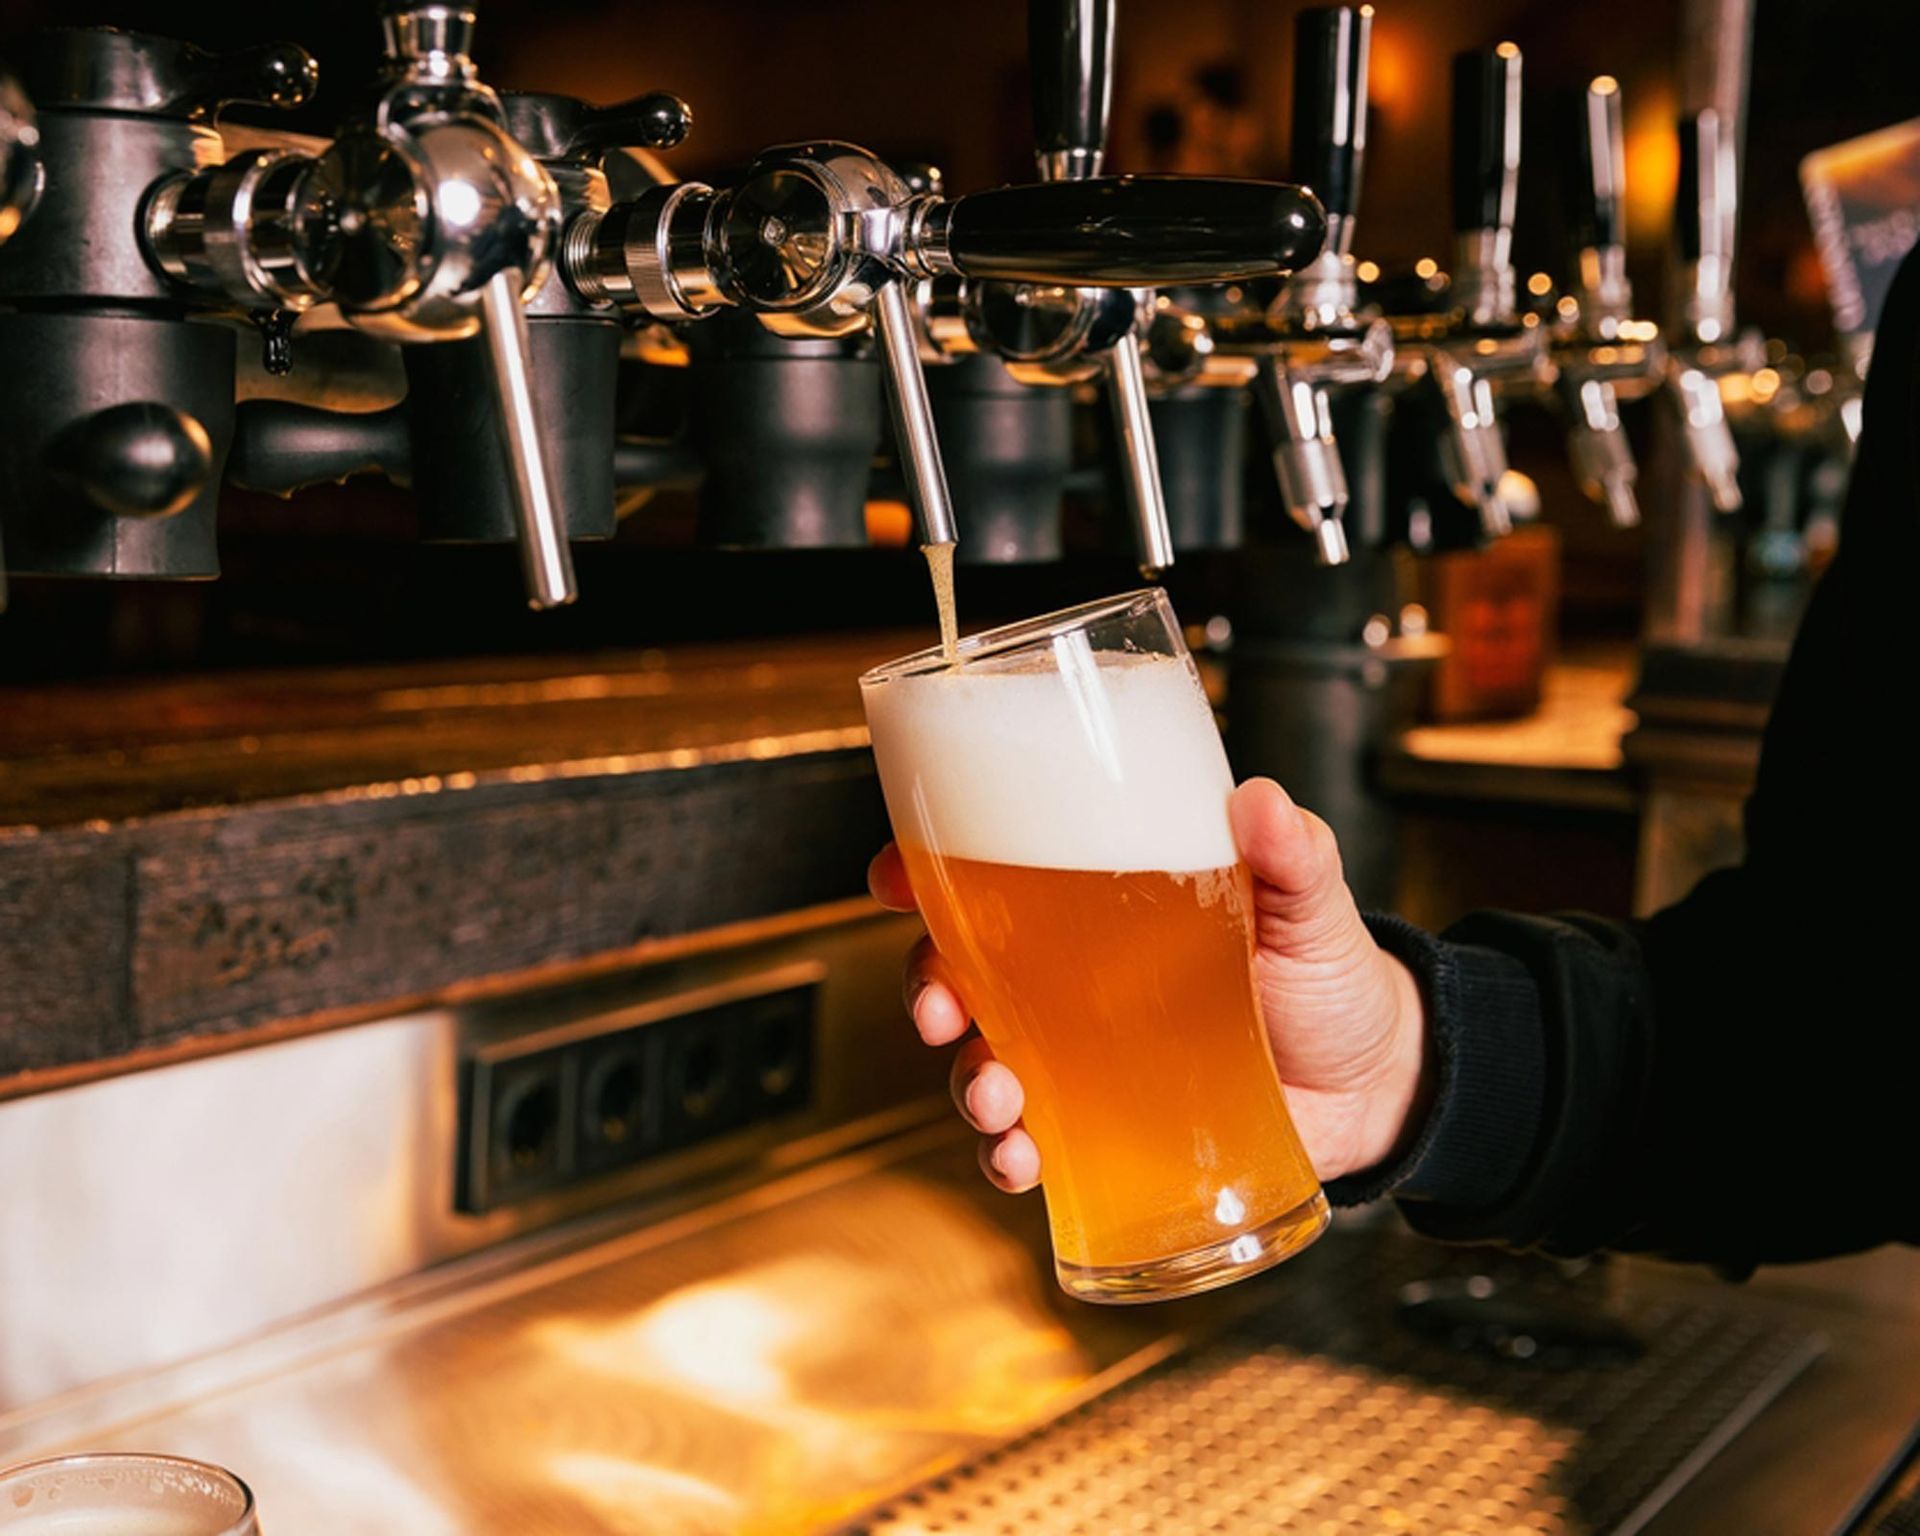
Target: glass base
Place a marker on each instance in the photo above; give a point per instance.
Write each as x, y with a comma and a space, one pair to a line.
1202, 1269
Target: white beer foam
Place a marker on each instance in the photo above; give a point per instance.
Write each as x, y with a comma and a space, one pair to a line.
1086, 761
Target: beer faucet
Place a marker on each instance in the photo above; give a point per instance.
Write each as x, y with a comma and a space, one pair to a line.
1317, 342
1070, 53
1705, 215
1481, 344
1598, 349
824, 239
424, 221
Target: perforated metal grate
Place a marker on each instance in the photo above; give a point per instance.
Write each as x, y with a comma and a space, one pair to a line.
1331, 1415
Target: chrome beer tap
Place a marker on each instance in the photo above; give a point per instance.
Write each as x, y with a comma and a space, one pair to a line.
825, 239
1481, 345
1317, 343
1706, 348
424, 221
1599, 351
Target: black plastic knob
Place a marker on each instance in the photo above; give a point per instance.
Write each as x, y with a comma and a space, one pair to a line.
140, 459
1330, 102
1486, 138
1070, 52
1136, 231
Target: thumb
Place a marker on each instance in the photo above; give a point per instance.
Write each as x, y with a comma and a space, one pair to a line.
1298, 885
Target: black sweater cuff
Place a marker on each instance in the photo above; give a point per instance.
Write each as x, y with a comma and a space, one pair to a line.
1490, 1075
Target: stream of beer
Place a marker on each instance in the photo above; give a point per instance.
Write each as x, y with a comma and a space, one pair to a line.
940, 566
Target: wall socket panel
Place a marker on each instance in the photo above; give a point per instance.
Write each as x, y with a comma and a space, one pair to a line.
547, 1109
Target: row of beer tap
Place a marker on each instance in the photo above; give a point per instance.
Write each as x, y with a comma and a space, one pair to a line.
483, 234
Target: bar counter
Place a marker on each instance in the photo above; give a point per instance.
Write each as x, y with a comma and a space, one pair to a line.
191, 862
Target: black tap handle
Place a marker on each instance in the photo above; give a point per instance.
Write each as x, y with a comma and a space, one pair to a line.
1704, 202
1486, 138
1135, 231
1330, 102
281, 446
558, 127
1070, 51
1596, 171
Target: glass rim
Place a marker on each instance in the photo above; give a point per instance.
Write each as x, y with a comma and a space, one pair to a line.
243, 1523
1022, 633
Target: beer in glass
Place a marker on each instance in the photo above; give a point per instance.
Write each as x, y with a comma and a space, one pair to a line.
1059, 794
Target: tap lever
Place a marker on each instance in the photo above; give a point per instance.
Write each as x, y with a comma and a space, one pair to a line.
1070, 51
1123, 232
1330, 109
1706, 213
564, 128
1597, 175
1486, 139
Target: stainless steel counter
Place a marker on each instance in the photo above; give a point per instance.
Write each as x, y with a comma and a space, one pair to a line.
792, 1355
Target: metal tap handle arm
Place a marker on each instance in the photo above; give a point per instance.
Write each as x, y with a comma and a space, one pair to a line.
1486, 139
1126, 391
544, 555
1070, 52
1596, 172
1126, 232
912, 410
1330, 103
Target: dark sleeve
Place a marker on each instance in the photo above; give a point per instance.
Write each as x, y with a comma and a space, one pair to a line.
1736, 1079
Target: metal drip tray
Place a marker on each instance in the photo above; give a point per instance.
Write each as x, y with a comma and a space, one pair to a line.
1357, 1411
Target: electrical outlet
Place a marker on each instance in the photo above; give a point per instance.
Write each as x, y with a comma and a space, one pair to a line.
546, 1108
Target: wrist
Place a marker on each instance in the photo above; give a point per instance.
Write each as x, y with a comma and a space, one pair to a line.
1403, 1090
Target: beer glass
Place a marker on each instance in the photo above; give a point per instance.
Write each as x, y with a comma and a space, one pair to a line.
1059, 794
124, 1495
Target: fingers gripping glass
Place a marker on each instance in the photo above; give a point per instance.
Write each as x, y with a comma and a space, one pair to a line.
1060, 796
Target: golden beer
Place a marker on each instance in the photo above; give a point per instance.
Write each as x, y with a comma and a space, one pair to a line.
1060, 797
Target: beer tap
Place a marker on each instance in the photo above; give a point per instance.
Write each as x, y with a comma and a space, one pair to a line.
1598, 349
824, 239
1481, 344
424, 221
1705, 215
1317, 343
1070, 53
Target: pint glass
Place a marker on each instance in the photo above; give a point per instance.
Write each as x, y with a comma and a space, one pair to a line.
1059, 793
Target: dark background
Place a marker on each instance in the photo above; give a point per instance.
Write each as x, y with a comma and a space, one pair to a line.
948, 84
